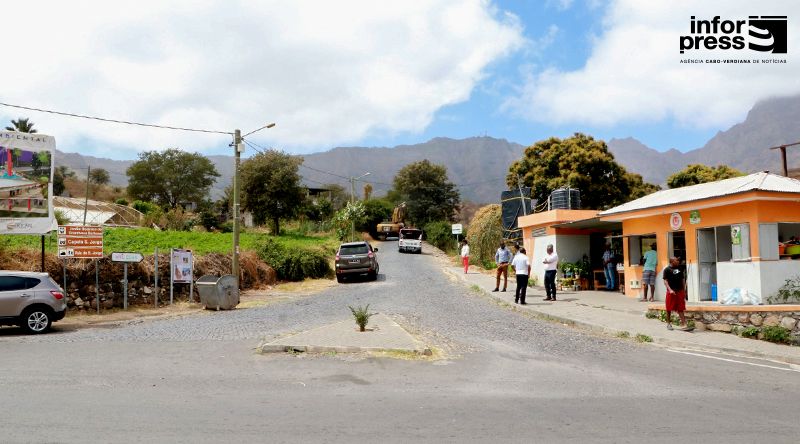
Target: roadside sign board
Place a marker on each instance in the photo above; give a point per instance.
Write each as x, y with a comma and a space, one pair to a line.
182, 266
126, 257
457, 228
80, 242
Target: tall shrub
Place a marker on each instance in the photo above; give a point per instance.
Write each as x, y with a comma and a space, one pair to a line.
485, 234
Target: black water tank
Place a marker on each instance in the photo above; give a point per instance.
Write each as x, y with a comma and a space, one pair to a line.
565, 199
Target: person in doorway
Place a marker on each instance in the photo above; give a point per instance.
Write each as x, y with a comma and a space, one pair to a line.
502, 257
550, 269
609, 267
522, 269
649, 273
675, 281
465, 255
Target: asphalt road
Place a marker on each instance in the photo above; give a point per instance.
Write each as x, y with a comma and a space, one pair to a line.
503, 377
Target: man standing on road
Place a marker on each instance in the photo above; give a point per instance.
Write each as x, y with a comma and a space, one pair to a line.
465, 255
675, 281
502, 257
649, 273
608, 267
550, 269
522, 268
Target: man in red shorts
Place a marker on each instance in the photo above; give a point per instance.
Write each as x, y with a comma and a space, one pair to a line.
675, 281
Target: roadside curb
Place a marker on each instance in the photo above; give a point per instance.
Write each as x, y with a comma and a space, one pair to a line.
659, 341
284, 348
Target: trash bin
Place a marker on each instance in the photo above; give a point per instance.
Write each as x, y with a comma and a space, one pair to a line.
218, 292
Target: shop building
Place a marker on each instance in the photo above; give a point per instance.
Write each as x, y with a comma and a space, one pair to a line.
728, 234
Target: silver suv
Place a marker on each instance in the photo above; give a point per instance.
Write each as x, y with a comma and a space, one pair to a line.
31, 300
356, 258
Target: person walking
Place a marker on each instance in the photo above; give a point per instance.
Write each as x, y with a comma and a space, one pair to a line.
550, 269
675, 281
649, 273
609, 268
465, 255
502, 257
522, 268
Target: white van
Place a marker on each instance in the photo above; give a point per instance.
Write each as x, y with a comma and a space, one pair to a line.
410, 240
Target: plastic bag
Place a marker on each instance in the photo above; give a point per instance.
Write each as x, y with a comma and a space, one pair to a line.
740, 296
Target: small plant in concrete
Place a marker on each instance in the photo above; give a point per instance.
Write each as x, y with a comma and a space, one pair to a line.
643, 338
789, 293
623, 335
361, 315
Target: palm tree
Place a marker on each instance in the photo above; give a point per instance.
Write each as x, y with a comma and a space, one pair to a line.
22, 125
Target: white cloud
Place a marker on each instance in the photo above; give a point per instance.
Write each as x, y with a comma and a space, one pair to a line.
634, 76
327, 72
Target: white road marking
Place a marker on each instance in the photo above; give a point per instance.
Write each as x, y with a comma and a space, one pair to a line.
791, 368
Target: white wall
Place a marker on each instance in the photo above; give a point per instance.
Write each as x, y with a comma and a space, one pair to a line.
774, 275
570, 248
738, 275
537, 256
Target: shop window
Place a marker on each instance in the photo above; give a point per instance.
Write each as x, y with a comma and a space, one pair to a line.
768, 242
788, 235
638, 245
724, 246
740, 242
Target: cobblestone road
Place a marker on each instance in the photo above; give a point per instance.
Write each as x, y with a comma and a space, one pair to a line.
412, 289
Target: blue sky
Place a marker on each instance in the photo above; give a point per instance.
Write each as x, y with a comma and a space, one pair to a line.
364, 73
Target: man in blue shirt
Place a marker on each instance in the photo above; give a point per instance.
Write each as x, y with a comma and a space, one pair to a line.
610, 268
649, 273
502, 257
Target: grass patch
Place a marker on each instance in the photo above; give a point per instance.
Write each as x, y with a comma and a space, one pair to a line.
145, 240
776, 333
476, 288
623, 335
750, 332
643, 338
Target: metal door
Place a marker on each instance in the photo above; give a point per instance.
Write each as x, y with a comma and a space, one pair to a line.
706, 261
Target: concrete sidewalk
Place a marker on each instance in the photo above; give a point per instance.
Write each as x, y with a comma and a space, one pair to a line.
613, 313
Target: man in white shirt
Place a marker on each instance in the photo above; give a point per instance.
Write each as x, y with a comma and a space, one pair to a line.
522, 268
550, 269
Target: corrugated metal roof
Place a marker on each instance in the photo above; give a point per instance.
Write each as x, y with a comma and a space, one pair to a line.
753, 182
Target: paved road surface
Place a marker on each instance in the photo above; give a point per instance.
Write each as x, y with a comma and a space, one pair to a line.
505, 378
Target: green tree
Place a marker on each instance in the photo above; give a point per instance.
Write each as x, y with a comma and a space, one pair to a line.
375, 212
640, 188
428, 194
61, 174
578, 162
21, 125
271, 187
170, 177
99, 176
698, 173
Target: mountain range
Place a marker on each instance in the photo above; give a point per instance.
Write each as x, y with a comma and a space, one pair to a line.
479, 165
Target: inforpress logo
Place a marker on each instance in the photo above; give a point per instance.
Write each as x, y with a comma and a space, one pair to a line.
766, 33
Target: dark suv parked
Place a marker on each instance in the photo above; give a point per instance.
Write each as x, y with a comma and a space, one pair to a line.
356, 258
31, 300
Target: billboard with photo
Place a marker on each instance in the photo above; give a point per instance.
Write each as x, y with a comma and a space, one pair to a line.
26, 183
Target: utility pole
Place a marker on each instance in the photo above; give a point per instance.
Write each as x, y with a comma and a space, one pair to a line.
86, 199
352, 201
237, 149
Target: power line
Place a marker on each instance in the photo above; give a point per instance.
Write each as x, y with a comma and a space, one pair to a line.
103, 119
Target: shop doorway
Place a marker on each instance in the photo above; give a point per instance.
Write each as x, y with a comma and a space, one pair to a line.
706, 261
676, 245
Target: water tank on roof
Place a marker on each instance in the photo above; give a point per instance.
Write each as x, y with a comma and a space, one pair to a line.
565, 199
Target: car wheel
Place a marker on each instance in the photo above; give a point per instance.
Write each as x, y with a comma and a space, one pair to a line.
36, 320
373, 276
339, 278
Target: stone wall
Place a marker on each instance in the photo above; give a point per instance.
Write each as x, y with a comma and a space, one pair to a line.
731, 321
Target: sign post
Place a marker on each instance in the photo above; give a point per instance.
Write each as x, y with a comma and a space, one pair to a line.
181, 266
126, 258
457, 230
82, 242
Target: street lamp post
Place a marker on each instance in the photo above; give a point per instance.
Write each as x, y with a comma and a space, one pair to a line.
238, 148
353, 200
